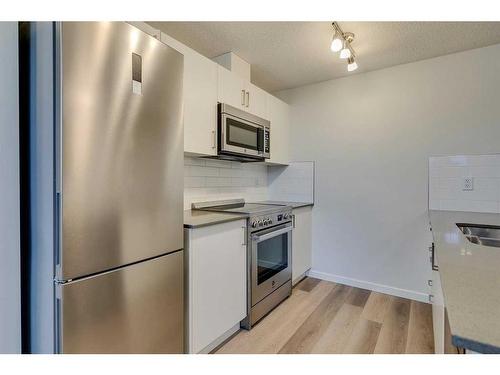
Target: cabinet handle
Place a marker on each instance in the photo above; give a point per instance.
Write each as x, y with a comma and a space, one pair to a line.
431, 298
244, 236
429, 282
243, 98
214, 138
248, 99
432, 258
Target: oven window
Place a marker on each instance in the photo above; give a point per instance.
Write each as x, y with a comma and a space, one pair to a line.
272, 257
241, 135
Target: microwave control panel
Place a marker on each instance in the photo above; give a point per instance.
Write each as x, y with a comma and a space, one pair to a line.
266, 141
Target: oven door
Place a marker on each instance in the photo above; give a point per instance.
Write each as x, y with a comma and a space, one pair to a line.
241, 137
271, 260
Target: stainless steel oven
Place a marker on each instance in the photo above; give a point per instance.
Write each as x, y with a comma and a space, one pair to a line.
241, 135
270, 264
271, 256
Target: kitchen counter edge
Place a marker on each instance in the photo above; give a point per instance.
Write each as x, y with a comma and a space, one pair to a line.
197, 219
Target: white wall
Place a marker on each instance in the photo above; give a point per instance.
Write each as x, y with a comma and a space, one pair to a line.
446, 183
10, 299
370, 136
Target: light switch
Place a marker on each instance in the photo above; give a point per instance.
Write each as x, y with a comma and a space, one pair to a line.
468, 183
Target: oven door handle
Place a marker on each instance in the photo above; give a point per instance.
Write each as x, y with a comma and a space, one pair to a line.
257, 238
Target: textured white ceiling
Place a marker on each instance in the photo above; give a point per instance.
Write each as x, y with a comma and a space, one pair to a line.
291, 54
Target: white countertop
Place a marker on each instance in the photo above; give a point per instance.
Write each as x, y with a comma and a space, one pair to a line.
470, 278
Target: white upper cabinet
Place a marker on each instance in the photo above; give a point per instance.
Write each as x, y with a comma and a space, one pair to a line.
279, 115
232, 89
257, 101
200, 100
238, 92
206, 83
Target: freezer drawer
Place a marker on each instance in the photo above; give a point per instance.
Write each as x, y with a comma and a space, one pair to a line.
135, 309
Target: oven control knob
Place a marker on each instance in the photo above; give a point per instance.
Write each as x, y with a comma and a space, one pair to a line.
266, 222
254, 224
261, 223
269, 221
285, 216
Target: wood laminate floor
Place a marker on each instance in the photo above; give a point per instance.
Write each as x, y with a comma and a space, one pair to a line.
324, 317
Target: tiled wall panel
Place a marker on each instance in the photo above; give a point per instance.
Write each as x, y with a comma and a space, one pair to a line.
446, 174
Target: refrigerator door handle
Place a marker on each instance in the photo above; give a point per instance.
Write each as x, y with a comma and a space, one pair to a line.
57, 239
58, 319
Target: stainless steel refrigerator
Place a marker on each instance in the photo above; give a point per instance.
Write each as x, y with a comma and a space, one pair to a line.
106, 190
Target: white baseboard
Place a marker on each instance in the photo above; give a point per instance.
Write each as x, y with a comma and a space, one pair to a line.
398, 292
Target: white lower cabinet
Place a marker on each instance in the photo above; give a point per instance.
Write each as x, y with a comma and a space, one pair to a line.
301, 242
216, 283
438, 313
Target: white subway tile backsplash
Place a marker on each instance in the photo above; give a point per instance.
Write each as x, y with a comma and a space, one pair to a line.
218, 181
218, 163
484, 171
453, 172
201, 171
193, 182
194, 161
230, 172
446, 175
207, 179
483, 206
434, 204
294, 183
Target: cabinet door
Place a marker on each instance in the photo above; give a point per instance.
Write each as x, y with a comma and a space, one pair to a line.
301, 242
200, 104
217, 281
231, 89
437, 313
280, 131
200, 100
256, 101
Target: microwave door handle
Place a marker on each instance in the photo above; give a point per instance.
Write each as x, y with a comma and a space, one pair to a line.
267, 236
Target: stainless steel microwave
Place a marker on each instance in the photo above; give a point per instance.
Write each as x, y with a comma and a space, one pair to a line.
241, 135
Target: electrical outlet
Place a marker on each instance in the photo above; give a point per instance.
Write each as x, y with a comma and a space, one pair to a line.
468, 183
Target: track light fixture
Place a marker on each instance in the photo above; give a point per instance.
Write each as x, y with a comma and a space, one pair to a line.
336, 42
351, 64
341, 41
345, 53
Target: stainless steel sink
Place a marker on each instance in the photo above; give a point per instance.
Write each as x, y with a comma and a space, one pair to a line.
487, 235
